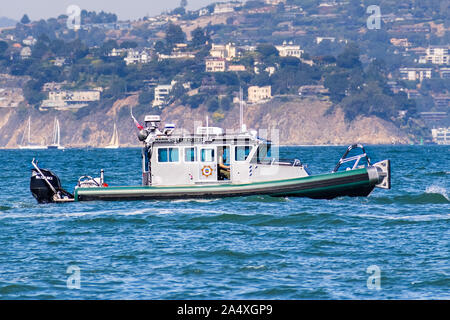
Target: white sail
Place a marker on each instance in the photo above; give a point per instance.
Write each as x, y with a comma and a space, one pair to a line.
26, 142
114, 143
56, 143
27, 129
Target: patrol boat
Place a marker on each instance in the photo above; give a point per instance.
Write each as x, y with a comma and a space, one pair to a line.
212, 164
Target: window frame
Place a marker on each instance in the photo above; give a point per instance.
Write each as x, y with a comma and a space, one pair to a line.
168, 154
195, 155
213, 156
246, 156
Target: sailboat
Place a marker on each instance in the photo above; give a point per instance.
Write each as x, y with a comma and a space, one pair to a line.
114, 144
56, 137
26, 139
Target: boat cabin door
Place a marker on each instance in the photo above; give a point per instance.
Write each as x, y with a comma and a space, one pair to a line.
208, 163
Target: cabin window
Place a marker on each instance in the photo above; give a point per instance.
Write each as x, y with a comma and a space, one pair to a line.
168, 155
241, 153
190, 154
207, 155
224, 153
264, 153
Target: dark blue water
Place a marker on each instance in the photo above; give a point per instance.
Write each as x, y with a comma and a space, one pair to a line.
242, 248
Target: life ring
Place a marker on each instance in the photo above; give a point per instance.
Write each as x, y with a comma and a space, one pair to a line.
207, 171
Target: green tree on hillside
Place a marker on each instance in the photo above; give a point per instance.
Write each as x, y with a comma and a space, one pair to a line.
3, 47
267, 51
349, 58
174, 34
199, 37
25, 19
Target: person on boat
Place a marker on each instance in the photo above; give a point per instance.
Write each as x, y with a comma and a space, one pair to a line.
224, 170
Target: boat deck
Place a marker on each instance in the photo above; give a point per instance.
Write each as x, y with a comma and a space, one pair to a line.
326, 186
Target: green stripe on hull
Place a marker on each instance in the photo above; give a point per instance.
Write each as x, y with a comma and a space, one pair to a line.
334, 189
319, 184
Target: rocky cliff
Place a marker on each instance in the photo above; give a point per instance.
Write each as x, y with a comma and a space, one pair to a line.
300, 121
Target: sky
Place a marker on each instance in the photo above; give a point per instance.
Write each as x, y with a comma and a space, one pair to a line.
125, 9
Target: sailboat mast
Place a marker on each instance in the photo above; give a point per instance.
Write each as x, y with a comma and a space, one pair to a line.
54, 132
116, 133
29, 130
58, 133
241, 110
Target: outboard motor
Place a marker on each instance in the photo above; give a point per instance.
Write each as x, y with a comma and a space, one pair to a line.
46, 186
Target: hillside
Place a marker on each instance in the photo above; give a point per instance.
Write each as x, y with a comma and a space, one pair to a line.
300, 121
7, 22
201, 60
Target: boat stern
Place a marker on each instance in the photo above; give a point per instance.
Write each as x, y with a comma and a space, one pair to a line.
383, 172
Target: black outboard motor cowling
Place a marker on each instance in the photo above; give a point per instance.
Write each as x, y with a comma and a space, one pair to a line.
42, 191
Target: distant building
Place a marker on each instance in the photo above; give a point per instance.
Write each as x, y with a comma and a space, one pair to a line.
444, 73
417, 51
226, 7
29, 41
203, 12
413, 74
176, 55
275, 2
215, 64
258, 94
66, 99
25, 53
162, 94
289, 50
248, 48
59, 62
320, 39
117, 52
236, 67
441, 101
270, 69
53, 86
227, 51
412, 93
400, 42
441, 135
136, 56
436, 55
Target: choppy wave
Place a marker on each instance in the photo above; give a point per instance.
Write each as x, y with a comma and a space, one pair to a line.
408, 218
438, 173
431, 196
16, 288
255, 247
438, 190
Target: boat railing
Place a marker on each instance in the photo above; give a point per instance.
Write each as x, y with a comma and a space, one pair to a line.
356, 159
281, 162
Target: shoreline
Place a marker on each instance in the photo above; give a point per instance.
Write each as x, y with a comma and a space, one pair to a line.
283, 146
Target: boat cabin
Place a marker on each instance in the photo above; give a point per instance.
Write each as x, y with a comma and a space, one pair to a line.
209, 156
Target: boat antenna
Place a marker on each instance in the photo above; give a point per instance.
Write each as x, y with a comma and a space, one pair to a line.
29, 130
138, 125
241, 110
207, 128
